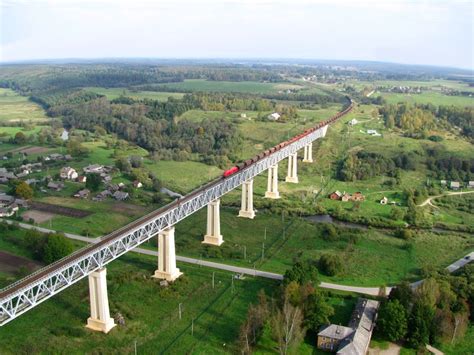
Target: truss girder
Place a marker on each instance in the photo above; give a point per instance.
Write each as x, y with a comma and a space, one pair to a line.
80, 264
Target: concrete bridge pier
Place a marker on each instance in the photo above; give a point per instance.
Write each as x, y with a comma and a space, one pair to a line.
308, 153
213, 235
272, 185
167, 269
100, 319
292, 167
324, 130
246, 209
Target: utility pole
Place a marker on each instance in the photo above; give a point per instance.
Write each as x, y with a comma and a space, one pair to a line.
265, 235
245, 252
263, 250
232, 284
179, 310
192, 327
213, 275
135, 347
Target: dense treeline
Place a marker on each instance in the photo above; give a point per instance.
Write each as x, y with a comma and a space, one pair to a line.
132, 123
67, 97
438, 310
412, 119
449, 167
418, 118
365, 165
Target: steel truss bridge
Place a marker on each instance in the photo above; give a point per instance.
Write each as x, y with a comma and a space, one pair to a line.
41, 285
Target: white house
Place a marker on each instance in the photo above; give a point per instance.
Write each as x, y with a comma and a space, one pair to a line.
353, 122
384, 201
68, 173
275, 116
470, 184
455, 185
371, 131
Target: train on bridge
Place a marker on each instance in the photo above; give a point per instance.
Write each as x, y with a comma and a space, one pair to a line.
266, 153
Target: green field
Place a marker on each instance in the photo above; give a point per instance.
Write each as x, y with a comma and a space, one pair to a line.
16, 108
429, 97
248, 87
113, 93
375, 259
150, 313
182, 176
11, 131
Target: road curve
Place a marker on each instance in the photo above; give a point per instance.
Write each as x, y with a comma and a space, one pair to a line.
429, 199
372, 291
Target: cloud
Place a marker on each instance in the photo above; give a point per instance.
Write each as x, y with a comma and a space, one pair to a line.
430, 32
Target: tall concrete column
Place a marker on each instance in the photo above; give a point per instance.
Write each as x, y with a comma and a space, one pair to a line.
100, 319
213, 235
308, 153
292, 165
272, 185
167, 269
246, 209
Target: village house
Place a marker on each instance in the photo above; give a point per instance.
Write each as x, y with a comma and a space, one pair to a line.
336, 195
275, 116
352, 122
120, 195
384, 201
68, 173
93, 169
443, 183
358, 197
101, 196
455, 185
137, 184
82, 179
345, 197
470, 185
84, 193
56, 186
355, 338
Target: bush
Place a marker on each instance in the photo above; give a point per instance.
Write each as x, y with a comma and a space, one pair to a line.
57, 247
302, 272
331, 264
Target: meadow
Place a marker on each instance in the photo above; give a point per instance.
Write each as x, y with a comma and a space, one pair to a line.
17, 108
152, 322
428, 97
248, 87
374, 258
113, 93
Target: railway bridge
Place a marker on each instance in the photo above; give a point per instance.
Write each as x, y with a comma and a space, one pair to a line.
91, 260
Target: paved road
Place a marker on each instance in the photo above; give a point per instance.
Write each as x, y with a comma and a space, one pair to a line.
428, 200
373, 291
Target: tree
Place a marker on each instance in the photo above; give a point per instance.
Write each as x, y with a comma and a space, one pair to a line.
75, 148
93, 182
123, 164
392, 320
317, 311
57, 247
420, 324
24, 190
403, 293
20, 138
287, 327
331, 264
302, 272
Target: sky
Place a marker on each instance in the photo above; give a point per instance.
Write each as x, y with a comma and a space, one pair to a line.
433, 32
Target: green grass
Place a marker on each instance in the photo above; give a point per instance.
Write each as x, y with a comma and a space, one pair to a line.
249, 87
461, 347
113, 93
11, 131
376, 259
429, 97
182, 176
15, 108
150, 312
